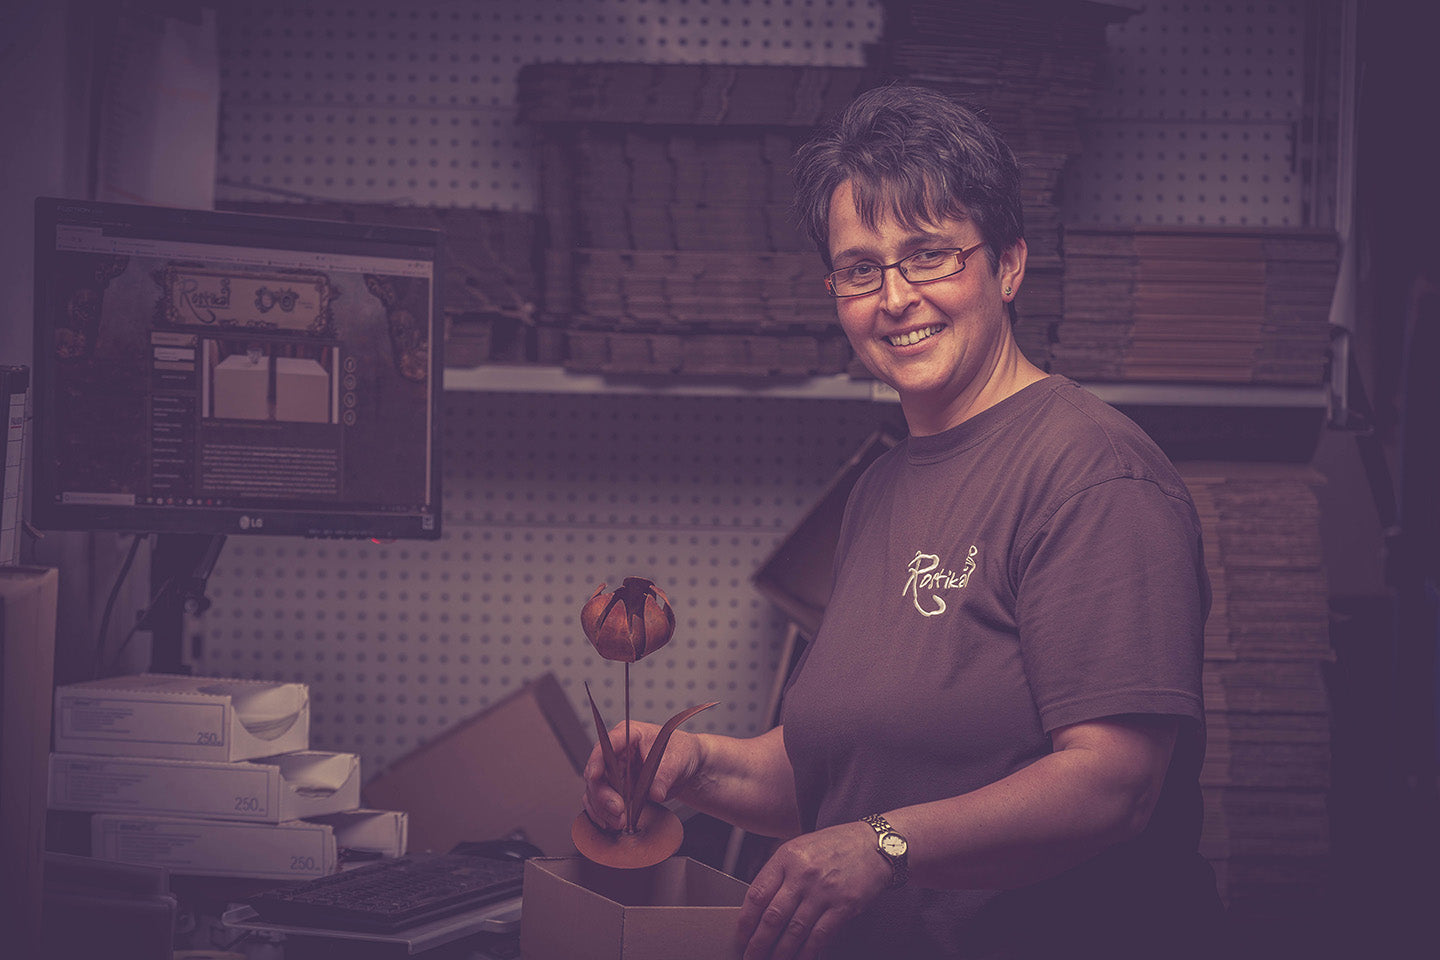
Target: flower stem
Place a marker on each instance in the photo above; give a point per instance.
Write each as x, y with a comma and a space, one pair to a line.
630, 798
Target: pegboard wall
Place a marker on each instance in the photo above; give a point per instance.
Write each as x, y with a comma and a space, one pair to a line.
1200, 118
414, 103
545, 498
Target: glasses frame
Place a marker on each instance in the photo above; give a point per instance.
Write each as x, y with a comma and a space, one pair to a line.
961, 253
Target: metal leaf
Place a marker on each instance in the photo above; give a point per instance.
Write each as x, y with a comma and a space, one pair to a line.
607, 750
641, 788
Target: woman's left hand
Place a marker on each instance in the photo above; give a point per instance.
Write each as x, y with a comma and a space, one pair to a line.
808, 890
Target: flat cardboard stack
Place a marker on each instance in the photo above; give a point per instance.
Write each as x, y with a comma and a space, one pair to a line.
1032, 69
1266, 777
1197, 304
210, 777
665, 190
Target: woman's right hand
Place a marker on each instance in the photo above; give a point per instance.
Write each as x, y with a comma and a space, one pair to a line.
678, 766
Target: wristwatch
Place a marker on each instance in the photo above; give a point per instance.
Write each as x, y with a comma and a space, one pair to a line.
892, 847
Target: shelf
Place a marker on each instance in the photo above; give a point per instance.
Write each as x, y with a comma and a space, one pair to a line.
549, 379
518, 378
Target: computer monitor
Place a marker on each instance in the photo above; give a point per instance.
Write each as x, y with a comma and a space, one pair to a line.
223, 373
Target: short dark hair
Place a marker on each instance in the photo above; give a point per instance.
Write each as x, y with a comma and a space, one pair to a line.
920, 153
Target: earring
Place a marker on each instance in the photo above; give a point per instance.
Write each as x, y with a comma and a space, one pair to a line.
1007, 291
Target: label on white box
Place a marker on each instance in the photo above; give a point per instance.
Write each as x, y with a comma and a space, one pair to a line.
216, 848
145, 721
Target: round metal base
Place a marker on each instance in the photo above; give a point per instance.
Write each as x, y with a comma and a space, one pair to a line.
658, 834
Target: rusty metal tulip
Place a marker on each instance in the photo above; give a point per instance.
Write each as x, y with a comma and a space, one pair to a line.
630, 623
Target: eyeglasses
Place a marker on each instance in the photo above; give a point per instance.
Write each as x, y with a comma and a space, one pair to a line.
922, 267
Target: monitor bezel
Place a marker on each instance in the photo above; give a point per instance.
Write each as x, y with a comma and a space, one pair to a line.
344, 521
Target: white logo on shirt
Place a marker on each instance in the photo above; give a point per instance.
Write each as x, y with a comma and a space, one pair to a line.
927, 574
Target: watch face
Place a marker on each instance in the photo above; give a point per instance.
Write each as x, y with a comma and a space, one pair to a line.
893, 844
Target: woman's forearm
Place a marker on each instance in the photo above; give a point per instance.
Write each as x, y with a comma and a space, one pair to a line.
1059, 811
746, 782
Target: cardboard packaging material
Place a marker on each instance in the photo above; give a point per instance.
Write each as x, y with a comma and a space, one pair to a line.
305, 783
186, 718
796, 576
383, 833
578, 910
293, 850
28, 600
511, 769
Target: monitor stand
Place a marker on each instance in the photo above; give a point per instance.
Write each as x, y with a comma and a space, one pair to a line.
180, 564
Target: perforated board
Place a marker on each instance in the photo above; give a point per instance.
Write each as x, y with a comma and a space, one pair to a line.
1197, 122
545, 498
548, 495
414, 103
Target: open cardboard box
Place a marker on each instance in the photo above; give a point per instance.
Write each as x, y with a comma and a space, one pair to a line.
578, 910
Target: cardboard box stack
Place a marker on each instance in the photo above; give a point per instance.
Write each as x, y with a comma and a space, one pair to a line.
665, 190
210, 777
1266, 777
1197, 304
1032, 69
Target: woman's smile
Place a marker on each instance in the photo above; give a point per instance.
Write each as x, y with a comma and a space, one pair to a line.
911, 337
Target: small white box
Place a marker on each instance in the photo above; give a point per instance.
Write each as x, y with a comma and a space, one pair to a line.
293, 850
242, 388
302, 390
382, 832
187, 718
293, 785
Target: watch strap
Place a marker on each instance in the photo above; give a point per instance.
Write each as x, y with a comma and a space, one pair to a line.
899, 863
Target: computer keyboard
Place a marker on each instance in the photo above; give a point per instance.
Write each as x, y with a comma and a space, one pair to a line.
393, 894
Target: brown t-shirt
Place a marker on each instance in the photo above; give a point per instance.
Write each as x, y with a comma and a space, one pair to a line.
1037, 566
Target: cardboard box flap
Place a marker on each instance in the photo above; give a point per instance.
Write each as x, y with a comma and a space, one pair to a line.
267, 712
511, 769
796, 576
314, 773
672, 883
373, 831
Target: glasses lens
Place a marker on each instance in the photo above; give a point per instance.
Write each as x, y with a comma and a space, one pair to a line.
931, 265
852, 281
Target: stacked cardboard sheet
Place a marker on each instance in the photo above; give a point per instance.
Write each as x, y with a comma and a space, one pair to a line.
1032, 69
1267, 772
1197, 305
666, 193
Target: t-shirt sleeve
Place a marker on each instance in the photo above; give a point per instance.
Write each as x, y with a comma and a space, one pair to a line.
1110, 604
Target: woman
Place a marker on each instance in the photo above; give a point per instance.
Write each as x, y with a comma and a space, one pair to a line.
991, 747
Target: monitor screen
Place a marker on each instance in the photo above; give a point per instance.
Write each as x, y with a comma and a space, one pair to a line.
228, 373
